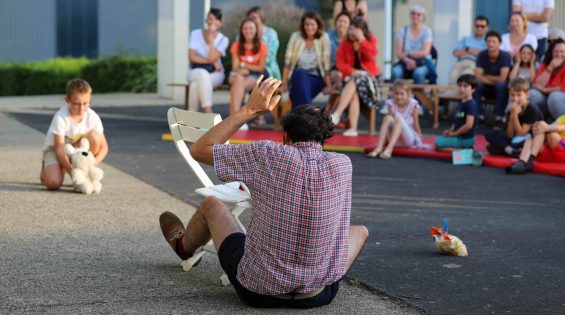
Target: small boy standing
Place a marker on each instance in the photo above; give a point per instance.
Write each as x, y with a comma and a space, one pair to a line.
462, 132
70, 124
521, 118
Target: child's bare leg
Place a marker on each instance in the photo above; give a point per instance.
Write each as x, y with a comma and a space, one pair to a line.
98, 145
358, 235
552, 139
382, 134
397, 129
52, 176
236, 92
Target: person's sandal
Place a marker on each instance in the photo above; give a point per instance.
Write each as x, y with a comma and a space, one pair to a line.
373, 154
386, 155
173, 231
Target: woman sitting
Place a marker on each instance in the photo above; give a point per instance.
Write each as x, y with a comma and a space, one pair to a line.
518, 36
249, 57
205, 49
307, 61
549, 83
342, 22
356, 60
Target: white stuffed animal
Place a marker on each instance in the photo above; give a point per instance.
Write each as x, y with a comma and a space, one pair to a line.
85, 175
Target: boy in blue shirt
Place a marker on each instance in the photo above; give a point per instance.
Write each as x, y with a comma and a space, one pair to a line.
462, 132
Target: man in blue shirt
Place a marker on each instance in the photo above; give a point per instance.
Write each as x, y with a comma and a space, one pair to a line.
492, 68
467, 50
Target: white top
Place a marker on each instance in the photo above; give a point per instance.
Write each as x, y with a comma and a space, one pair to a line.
63, 125
197, 42
530, 39
539, 30
406, 113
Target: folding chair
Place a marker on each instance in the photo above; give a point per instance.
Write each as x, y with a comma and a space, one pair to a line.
187, 126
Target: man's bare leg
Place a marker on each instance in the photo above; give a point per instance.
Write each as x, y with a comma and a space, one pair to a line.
212, 219
358, 235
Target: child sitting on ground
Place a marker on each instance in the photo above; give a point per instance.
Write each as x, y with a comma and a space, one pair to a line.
70, 124
521, 118
462, 132
547, 145
401, 125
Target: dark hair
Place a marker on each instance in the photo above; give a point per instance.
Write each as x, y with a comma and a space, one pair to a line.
256, 39
482, 18
217, 13
493, 33
533, 51
468, 79
549, 54
315, 16
308, 123
359, 22
257, 9
343, 13
519, 85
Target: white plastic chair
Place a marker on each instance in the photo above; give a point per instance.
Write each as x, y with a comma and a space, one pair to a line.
187, 126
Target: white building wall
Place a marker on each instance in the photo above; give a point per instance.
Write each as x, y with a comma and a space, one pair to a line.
27, 30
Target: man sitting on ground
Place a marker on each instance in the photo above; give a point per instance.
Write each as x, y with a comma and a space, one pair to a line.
467, 50
299, 243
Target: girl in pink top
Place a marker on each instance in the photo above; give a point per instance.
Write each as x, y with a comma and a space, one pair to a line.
400, 126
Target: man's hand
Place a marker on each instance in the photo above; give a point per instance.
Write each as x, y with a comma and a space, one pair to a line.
261, 99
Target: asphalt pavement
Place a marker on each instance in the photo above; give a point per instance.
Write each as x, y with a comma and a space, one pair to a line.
512, 225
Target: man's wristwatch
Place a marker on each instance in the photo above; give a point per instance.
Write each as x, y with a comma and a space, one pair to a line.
466, 49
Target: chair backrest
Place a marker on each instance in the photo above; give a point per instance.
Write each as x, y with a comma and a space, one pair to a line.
187, 126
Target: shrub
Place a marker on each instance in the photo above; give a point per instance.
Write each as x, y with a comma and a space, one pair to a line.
115, 74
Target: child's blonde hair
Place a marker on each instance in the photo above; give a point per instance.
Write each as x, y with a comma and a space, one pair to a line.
77, 86
519, 85
401, 85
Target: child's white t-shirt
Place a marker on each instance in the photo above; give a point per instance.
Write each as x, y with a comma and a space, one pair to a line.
63, 125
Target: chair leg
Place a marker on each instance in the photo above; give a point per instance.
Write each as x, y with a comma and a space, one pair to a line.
186, 91
372, 122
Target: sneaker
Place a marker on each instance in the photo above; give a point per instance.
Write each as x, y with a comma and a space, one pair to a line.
386, 155
335, 118
519, 167
515, 153
350, 133
173, 231
384, 110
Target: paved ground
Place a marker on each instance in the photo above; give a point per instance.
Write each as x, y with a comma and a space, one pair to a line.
511, 225
64, 252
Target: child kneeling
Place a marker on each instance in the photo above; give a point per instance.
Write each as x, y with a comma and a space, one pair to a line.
462, 132
70, 124
401, 126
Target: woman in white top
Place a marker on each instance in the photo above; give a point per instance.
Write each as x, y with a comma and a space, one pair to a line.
206, 72
518, 36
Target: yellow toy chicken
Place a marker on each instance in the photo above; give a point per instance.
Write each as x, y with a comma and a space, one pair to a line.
448, 244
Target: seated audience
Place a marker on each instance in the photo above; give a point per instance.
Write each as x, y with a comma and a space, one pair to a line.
549, 82
518, 36
356, 60
413, 49
307, 61
205, 49
249, 57
538, 13
352, 7
525, 65
521, 117
401, 126
491, 72
547, 146
467, 50
462, 132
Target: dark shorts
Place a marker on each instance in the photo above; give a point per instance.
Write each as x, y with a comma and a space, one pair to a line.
230, 254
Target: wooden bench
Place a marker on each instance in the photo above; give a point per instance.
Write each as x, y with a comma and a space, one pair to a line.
186, 86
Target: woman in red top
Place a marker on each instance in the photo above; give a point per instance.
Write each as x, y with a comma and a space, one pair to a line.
249, 57
549, 83
356, 60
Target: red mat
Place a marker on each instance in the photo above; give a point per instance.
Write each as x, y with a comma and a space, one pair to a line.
364, 144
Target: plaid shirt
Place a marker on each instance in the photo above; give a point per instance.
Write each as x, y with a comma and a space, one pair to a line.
297, 239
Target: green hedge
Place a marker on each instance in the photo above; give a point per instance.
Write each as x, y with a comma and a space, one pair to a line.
115, 74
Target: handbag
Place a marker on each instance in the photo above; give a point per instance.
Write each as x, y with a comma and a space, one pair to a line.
206, 66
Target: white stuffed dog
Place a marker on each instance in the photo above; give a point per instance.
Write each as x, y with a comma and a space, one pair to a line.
85, 175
